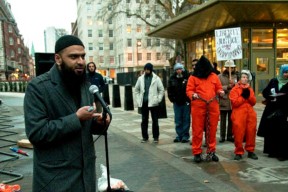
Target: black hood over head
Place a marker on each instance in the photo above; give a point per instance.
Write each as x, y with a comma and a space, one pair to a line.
203, 68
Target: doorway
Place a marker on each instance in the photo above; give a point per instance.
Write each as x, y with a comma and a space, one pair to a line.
263, 66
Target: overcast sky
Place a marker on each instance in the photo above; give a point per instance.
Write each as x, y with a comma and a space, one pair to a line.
34, 16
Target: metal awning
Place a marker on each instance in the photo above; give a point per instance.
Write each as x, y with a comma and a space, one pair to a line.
216, 14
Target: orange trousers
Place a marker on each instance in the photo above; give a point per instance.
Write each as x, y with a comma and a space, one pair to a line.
244, 121
198, 113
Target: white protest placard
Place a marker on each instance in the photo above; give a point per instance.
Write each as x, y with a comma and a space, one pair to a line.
228, 44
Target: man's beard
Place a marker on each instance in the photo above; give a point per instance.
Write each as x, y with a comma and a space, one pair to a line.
70, 77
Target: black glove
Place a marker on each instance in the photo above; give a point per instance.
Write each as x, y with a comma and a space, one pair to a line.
245, 93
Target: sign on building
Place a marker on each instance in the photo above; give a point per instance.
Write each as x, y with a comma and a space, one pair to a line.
228, 44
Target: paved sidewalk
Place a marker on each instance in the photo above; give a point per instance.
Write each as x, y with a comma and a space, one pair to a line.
162, 167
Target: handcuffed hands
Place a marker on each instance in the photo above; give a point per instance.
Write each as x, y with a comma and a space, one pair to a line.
245, 93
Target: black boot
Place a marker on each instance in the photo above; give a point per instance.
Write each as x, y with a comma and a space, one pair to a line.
197, 158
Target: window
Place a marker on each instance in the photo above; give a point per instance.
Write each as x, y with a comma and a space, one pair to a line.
88, 6
101, 59
158, 42
110, 7
149, 56
19, 50
138, 29
12, 53
166, 42
90, 46
129, 56
89, 32
110, 33
167, 56
111, 59
148, 29
137, 1
147, 14
262, 38
128, 28
128, 1
110, 21
139, 43
139, 56
100, 46
89, 20
149, 43
129, 42
158, 56
111, 46
128, 13
11, 41
100, 33
10, 28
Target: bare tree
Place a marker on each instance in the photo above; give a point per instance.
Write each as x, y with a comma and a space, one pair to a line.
161, 10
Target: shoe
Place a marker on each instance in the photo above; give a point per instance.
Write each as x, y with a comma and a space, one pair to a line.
197, 158
177, 140
237, 157
144, 140
185, 140
214, 157
231, 139
204, 144
252, 155
221, 140
156, 140
281, 158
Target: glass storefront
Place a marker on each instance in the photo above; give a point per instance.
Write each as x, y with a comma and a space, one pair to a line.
264, 50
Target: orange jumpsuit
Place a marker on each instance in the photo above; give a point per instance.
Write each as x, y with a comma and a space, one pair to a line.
206, 89
244, 119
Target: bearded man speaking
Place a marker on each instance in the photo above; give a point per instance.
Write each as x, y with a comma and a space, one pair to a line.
59, 124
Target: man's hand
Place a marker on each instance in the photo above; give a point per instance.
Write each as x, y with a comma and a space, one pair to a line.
221, 93
195, 96
86, 113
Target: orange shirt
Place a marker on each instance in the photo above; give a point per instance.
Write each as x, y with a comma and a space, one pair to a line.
205, 88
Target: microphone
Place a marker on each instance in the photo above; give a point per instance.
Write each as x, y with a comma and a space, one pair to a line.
97, 97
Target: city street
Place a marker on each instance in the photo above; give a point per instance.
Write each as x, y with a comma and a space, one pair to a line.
146, 167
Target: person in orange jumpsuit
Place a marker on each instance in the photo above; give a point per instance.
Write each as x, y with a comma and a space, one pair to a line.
203, 87
243, 116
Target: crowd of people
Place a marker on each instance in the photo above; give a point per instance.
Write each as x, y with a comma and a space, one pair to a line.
212, 95
68, 117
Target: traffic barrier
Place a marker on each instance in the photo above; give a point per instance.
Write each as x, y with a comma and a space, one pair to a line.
106, 95
116, 100
128, 98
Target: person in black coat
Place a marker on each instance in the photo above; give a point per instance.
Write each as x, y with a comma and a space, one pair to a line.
181, 103
273, 125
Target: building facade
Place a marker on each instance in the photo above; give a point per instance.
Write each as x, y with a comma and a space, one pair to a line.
14, 55
51, 35
264, 34
119, 43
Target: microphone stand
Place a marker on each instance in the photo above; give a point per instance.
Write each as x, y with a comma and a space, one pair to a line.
104, 114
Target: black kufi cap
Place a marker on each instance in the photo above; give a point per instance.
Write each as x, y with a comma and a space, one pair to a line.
67, 41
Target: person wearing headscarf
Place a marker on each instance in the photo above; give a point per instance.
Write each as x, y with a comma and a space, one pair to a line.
181, 103
203, 88
244, 118
273, 125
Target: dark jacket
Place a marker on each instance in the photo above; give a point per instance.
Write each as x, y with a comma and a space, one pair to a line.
96, 79
177, 88
64, 154
275, 131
